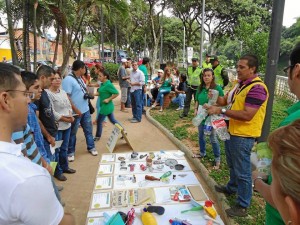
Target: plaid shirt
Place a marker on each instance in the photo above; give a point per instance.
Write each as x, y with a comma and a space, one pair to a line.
36, 129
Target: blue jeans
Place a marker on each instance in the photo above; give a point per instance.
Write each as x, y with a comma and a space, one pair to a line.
55, 189
61, 153
136, 104
48, 151
213, 140
100, 120
238, 161
160, 97
179, 100
86, 123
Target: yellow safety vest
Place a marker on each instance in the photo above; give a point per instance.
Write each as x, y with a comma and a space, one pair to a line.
193, 78
218, 77
206, 65
253, 127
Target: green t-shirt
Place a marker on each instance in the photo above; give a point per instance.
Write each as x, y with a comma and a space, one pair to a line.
106, 90
272, 215
202, 97
143, 68
166, 86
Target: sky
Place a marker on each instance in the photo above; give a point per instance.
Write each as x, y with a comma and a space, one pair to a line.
291, 11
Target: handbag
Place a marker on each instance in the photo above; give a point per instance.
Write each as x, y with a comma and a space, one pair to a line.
91, 107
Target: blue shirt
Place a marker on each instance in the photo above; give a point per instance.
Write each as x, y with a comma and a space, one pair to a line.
73, 89
36, 129
29, 147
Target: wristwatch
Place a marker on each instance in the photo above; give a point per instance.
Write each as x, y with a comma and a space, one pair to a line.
223, 111
253, 183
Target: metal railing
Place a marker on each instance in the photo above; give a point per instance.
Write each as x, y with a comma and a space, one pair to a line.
282, 88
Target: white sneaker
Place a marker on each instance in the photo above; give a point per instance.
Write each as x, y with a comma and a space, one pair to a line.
93, 152
71, 158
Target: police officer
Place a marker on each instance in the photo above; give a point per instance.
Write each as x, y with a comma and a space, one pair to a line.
193, 82
206, 63
221, 76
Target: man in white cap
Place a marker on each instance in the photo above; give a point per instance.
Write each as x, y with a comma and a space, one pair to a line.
155, 81
123, 82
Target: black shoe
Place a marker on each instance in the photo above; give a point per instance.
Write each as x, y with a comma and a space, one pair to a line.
69, 170
237, 210
144, 112
182, 115
60, 177
96, 138
223, 189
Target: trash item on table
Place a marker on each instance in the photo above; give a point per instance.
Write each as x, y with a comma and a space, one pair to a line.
130, 217
177, 221
151, 178
179, 167
174, 177
210, 211
134, 155
160, 167
150, 168
115, 219
155, 209
179, 153
123, 178
123, 168
165, 175
143, 167
148, 161
122, 163
151, 155
131, 167
143, 156
133, 179
196, 208
182, 175
171, 163
148, 219
155, 162
208, 203
121, 158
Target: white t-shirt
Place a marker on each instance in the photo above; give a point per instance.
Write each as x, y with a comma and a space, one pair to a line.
26, 192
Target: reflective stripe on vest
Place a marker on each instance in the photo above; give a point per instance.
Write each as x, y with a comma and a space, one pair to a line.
218, 77
193, 78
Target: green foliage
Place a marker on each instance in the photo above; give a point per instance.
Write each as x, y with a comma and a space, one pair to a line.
112, 68
184, 131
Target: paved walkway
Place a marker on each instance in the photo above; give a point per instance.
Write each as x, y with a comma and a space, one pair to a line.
78, 188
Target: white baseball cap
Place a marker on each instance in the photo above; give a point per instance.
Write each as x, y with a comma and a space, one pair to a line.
123, 60
160, 71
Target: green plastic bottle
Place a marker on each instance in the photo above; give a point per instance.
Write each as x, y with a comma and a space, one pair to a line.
165, 175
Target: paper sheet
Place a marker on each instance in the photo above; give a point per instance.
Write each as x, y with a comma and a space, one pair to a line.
104, 183
57, 145
101, 200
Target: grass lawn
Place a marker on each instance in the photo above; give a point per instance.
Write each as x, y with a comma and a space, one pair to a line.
188, 134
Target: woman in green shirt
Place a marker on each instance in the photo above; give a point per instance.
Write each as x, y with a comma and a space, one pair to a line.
167, 82
207, 82
107, 92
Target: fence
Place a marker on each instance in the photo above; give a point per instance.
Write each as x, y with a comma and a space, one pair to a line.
282, 88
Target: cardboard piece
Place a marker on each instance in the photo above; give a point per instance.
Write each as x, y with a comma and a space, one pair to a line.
116, 133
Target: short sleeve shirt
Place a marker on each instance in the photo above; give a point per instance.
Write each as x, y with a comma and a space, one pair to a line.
202, 97
73, 89
122, 73
143, 68
106, 90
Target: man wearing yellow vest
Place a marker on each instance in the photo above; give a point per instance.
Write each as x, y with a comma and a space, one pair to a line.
221, 76
193, 82
206, 63
247, 113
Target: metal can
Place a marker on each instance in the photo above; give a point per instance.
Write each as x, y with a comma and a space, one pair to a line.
143, 167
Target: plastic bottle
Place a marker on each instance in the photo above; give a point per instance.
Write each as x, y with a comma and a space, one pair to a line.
148, 219
202, 113
207, 126
220, 126
166, 174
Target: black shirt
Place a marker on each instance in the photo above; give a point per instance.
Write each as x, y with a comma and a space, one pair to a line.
46, 114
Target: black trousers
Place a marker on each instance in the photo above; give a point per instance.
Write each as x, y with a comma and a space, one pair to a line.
190, 92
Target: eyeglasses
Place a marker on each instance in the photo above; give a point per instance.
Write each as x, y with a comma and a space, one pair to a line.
27, 94
285, 70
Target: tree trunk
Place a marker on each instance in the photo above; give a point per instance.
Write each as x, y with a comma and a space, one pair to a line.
56, 46
11, 33
26, 46
34, 36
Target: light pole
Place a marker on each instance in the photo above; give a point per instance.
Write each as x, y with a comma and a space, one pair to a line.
202, 31
183, 52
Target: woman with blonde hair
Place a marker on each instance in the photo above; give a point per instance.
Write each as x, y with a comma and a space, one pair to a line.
167, 81
285, 187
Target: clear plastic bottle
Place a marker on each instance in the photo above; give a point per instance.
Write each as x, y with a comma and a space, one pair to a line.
220, 126
208, 126
202, 113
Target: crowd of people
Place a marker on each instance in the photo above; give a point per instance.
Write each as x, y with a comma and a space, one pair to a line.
39, 109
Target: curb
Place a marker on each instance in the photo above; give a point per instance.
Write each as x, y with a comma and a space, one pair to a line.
221, 199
